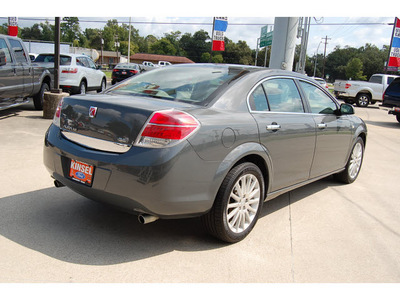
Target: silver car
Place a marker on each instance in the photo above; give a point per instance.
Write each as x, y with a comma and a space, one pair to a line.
206, 140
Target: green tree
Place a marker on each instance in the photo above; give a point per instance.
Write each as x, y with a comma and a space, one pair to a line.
163, 47
339, 58
111, 35
217, 59
237, 53
31, 33
195, 45
354, 69
47, 31
4, 28
372, 59
174, 38
70, 29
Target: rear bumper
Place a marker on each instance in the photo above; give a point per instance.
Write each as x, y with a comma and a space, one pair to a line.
395, 111
170, 183
340, 94
70, 89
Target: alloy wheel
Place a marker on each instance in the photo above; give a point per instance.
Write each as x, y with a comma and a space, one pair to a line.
355, 160
243, 203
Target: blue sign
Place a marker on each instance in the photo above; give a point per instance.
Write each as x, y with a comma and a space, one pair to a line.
220, 23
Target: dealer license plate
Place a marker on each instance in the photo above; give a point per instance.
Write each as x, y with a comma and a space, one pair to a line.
81, 172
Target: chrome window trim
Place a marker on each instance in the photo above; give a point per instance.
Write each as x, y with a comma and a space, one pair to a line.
94, 143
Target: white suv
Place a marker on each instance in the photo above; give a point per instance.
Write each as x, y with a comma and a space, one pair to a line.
78, 73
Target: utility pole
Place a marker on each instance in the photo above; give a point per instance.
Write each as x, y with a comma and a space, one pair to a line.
283, 43
323, 67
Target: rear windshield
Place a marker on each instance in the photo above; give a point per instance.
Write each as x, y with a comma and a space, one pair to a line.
64, 60
190, 83
394, 88
126, 66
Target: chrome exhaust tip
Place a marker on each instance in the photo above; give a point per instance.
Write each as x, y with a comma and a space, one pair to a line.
58, 184
146, 219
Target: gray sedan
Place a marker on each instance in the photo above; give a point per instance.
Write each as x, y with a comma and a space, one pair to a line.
206, 140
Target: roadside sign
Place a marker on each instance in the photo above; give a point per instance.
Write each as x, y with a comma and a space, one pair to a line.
218, 36
394, 56
266, 37
266, 40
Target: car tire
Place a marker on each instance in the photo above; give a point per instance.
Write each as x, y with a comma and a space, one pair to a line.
237, 205
398, 118
103, 85
82, 88
38, 98
353, 166
363, 100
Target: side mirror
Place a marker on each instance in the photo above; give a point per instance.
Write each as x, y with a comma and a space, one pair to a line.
3, 59
346, 109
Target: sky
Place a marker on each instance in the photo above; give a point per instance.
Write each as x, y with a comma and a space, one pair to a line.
369, 23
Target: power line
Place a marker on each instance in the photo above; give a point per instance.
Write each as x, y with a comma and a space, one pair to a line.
203, 23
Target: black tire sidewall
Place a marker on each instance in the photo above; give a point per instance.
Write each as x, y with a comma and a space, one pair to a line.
38, 98
80, 87
223, 197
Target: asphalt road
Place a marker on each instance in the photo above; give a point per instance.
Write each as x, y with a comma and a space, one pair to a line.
321, 233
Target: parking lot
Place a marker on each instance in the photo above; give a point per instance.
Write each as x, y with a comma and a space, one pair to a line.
321, 233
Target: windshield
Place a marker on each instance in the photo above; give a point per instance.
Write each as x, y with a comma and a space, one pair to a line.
192, 83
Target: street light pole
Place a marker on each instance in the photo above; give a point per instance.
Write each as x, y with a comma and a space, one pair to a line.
57, 56
323, 68
316, 58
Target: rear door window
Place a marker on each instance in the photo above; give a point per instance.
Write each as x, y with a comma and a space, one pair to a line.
4, 48
283, 95
258, 100
19, 51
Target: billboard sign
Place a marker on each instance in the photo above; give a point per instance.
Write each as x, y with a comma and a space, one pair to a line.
220, 26
394, 56
13, 26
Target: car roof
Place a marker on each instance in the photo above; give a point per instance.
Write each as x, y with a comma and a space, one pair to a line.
67, 54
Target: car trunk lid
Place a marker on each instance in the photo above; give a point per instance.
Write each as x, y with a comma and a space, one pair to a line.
107, 122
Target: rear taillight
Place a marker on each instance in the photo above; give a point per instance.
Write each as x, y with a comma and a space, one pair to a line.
347, 85
70, 70
57, 114
133, 71
167, 128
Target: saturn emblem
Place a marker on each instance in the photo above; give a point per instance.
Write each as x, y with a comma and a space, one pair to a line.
92, 111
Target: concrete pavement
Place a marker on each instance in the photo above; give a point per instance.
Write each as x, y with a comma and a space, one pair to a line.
324, 232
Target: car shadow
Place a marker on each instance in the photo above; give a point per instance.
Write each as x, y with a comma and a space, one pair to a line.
14, 111
298, 194
9, 112
69, 227
393, 124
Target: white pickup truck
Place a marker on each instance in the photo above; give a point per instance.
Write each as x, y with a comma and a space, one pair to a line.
363, 92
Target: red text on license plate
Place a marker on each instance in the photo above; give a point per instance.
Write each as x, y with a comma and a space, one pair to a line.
81, 172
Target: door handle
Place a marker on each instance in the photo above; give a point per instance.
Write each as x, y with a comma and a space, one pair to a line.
322, 126
273, 127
